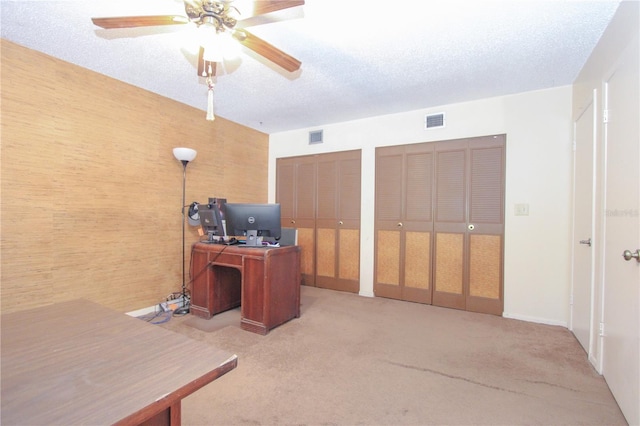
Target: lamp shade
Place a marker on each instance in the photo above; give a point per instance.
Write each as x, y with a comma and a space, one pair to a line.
184, 154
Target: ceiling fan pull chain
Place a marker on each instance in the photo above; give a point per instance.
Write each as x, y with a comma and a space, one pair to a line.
210, 115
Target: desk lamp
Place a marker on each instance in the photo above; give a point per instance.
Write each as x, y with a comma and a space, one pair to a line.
183, 155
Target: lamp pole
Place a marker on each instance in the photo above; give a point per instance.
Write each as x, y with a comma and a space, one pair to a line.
184, 155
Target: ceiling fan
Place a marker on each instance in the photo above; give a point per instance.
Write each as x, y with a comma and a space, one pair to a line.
221, 16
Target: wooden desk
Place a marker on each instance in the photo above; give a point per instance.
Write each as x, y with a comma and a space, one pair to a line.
81, 363
265, 282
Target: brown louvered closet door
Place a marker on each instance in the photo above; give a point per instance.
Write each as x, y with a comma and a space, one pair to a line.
320, 196
338, 221
469, 224
388, 232
439, 223
295, 191
486, 213
403, 234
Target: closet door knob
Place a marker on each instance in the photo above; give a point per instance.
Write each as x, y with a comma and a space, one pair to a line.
399, 224
628, 255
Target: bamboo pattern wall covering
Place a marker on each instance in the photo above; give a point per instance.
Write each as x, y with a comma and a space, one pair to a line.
91, 192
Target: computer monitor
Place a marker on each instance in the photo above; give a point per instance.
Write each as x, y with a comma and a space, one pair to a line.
210, 220
253, 221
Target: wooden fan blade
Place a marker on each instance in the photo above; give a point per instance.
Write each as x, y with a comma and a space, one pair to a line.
260, 7
139, 21
267, 50
205, 68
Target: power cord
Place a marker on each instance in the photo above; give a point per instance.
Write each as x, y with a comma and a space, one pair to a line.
164, 316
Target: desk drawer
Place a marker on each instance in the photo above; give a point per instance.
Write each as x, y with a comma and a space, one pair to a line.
216, 255
225, 259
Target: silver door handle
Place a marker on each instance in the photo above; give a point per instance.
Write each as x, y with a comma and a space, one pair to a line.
587, 242
628, 255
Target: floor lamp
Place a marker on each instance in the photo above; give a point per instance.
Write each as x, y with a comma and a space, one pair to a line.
183, 155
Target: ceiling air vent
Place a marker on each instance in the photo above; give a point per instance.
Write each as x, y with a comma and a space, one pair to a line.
315, 137
434, 121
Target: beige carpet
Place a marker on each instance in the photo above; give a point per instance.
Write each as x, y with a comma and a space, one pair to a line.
352, 360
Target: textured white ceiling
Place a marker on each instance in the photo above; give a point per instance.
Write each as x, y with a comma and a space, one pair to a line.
360, 58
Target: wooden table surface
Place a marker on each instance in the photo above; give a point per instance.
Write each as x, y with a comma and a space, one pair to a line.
81, 363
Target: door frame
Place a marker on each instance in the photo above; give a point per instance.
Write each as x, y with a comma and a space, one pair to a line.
593, 287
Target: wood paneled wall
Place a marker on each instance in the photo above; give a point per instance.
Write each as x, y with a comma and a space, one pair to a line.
91, 193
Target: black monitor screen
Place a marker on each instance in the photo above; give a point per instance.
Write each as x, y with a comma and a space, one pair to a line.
210, 220
253, 220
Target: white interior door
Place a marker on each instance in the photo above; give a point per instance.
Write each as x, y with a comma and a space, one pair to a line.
583, 231
621, 342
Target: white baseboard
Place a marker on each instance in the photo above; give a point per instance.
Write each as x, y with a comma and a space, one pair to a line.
154, 308
535, 319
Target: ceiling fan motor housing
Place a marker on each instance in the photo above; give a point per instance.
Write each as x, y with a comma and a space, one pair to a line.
215, 13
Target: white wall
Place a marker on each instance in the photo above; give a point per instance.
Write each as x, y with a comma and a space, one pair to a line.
538, 172
615, 353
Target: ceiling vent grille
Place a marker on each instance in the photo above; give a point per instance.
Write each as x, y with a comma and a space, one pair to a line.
315, 137
434, 121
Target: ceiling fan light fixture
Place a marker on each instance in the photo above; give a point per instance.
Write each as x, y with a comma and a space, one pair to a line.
230, 47
212, 54
218, 44
206, 34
